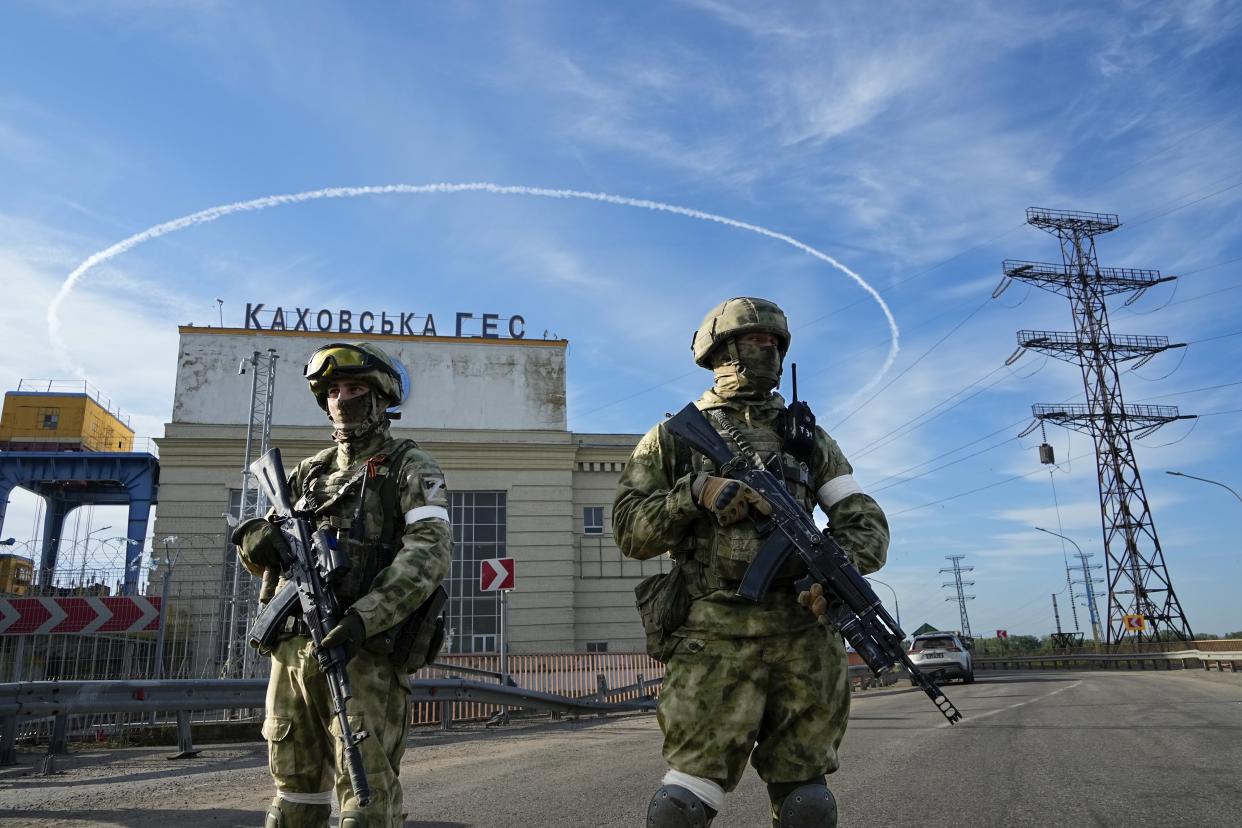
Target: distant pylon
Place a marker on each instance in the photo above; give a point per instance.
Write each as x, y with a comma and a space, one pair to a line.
1138, 581
1089, 582
959, 586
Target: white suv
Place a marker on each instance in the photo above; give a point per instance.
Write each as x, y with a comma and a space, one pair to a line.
942, 655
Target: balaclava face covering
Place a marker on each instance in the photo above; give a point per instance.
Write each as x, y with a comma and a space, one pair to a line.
747, 372
357, 416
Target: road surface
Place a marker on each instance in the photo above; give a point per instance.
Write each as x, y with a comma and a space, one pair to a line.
1037, 749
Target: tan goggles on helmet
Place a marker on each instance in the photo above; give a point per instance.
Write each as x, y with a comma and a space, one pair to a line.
341, 359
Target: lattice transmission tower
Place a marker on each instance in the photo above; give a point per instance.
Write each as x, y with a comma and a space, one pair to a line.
959, 587
1138, 581
241, 594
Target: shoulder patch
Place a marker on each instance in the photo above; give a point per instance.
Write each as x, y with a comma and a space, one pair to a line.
432, 487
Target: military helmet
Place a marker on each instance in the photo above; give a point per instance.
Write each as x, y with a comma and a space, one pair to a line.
733, 317
363, 361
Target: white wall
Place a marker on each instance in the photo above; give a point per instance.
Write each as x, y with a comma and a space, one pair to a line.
458, 383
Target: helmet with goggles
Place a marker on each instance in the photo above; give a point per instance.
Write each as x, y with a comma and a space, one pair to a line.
735, 317
363, 362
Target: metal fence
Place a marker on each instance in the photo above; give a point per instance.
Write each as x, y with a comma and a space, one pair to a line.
135, 710
575, 675
192, 646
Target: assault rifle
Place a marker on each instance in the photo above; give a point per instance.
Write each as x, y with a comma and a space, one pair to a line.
854, 608
311, 568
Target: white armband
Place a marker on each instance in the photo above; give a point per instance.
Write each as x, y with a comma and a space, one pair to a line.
836, 490
426, 513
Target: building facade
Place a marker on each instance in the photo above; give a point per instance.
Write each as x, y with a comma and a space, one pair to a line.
492, 412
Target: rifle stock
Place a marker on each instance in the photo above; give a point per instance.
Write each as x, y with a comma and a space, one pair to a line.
855, 609
310, 568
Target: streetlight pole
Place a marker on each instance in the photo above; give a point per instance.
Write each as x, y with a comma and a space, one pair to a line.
1205, 480
896, 606
86, 551
1086, 574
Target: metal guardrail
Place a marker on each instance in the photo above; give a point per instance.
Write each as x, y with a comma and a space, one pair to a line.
25, 701
1173, 660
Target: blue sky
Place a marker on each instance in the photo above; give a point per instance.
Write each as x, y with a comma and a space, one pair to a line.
905, 140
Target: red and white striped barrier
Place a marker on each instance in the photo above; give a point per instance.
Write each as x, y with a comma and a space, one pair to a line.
113, 614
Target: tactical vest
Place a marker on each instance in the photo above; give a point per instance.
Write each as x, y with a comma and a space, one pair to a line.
358, 510
722, 553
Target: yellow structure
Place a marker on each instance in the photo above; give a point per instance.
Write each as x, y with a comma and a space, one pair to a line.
55, 420
16, 574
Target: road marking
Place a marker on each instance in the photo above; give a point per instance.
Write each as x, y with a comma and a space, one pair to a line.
976, 716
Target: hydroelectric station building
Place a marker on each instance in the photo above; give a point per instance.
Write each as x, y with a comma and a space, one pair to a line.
490, 407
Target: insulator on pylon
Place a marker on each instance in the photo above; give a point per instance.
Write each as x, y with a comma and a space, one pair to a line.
1046, 455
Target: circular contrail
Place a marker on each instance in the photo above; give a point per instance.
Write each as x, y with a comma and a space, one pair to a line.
213, 213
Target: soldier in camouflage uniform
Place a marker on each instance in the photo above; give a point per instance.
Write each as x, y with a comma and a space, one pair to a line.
399, 555
760, 680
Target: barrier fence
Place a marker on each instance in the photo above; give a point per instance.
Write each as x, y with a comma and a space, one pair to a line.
574, 675
1182, 659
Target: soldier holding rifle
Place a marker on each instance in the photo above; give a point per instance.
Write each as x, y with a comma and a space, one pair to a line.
378, 506
745, 679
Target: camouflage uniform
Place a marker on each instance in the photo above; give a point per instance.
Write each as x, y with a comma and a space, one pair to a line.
382, 588
742, 675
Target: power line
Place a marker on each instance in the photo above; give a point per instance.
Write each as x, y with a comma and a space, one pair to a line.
1210, 267
908, 368
981, 488
1187, 204
1210, 338
1218, 413
940, 467
1158, 153
942, 263
637, 394
1191, 391
876, 443
880, 488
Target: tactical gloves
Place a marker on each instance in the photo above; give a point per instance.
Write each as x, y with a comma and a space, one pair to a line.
349, 633
727, 499
260, 546
814, 600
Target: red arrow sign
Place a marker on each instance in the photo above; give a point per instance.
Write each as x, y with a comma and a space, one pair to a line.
495, 575
132, 614
115, 613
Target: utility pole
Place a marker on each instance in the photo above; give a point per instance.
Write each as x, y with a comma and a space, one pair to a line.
238, 661
1056, 614
1069, 584
1089, 583
959, 586
1138, 580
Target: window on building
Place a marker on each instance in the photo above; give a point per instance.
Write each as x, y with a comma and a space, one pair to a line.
593, 520
479, 533
597, 646
49, 418
252, 501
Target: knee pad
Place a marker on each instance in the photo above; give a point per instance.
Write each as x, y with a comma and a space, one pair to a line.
675, 807
809, 806
285, 814
363, 819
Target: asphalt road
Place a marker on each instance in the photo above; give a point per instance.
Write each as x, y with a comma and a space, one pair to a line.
1037, 749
